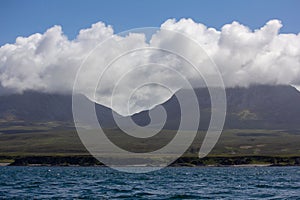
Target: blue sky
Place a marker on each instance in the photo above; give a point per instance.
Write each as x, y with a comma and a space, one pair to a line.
23, 18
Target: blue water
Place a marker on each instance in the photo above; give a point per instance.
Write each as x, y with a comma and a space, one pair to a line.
174, 183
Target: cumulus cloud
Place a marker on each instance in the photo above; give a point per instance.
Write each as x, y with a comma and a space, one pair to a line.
49, 62
244, 57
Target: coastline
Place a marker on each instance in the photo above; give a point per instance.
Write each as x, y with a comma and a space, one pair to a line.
185, 161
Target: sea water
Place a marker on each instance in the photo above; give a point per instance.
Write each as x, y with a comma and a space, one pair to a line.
168, 183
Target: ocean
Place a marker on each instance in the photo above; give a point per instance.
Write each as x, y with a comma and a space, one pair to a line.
168, 183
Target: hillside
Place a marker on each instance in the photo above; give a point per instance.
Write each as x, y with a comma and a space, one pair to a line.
266, 107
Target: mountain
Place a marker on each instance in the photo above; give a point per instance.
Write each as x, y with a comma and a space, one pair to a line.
260, 106
263, 107
44, 107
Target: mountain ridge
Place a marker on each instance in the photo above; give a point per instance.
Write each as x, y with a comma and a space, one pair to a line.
260, 106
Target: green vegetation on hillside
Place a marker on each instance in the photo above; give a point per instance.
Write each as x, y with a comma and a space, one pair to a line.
235, 146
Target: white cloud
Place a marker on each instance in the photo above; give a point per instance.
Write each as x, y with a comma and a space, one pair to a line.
245, 57
49, 61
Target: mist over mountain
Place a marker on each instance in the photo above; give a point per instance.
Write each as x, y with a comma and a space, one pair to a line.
49, 61
260, 106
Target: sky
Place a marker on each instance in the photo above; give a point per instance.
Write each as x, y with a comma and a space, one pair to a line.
23, 18
52, 46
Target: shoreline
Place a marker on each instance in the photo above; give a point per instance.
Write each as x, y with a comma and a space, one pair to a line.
170, 166
185, 161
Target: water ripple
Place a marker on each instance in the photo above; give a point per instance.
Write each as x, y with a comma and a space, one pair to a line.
169, 183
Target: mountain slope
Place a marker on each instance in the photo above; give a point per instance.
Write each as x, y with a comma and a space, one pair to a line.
258, 106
